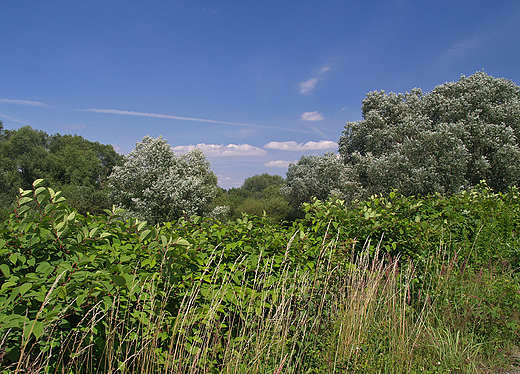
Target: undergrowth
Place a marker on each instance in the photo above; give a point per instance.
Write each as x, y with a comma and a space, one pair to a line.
96, 294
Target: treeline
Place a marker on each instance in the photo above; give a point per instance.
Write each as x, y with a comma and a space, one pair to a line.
70, 163
445, 141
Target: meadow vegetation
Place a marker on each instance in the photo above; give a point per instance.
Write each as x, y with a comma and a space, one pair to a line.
393, 285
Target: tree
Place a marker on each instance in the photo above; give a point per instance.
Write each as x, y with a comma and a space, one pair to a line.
321, 177
69, 163
156, 185
443, 141
258, 194
258, 183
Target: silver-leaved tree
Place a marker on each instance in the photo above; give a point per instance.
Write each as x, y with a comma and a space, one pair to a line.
443, 141
419, 143
156, 185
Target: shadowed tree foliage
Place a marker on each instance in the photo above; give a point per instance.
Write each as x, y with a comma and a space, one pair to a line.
70, 163
258, 194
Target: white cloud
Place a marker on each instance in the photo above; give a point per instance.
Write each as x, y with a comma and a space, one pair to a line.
309, 146
218, 150
22, 102
325, 69
311, 116
117, 148
308, 86
279, 163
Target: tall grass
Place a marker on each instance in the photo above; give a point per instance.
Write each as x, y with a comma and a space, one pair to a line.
371, 314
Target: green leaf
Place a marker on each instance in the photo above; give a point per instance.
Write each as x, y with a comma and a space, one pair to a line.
37, 328
145, 235
2, 243
60, 225
141, 226
182, 241
24, 200
49, 208
24, 288
93, 232
41, 198
23, 209
25, 192
120, 281
5, 270
7, 285
13, 258
37, 182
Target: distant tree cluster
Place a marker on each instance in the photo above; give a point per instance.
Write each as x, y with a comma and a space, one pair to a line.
258, 195
419, 143
76, 166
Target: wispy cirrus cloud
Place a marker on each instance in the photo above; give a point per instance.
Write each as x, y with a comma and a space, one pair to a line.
279, 163
14, 119
221, 150
312, 116
23, 102
168, 116
308, 86
75, 127
309, 146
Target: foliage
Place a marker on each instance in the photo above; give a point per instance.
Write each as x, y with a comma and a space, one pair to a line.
156, 185
258, 183
259, 195
71, 163
321, 177
438, 293
443, 141
478, 225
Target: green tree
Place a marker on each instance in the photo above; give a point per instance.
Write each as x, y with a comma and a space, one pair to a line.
259, 183
258, 194
443, 141
156, 185
70, 163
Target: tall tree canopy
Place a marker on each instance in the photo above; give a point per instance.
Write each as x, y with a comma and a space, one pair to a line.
70, 163
156, 185
443, 141
419, 143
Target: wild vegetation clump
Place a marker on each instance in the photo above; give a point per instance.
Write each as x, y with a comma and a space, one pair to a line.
394, 285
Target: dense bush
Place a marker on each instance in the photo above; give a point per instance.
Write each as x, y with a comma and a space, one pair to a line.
100, 293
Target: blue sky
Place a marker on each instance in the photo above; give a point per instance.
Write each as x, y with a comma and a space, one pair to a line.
255, 84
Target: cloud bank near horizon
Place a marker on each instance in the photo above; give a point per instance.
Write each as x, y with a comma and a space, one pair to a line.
279, 163
221, 150
309, 146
